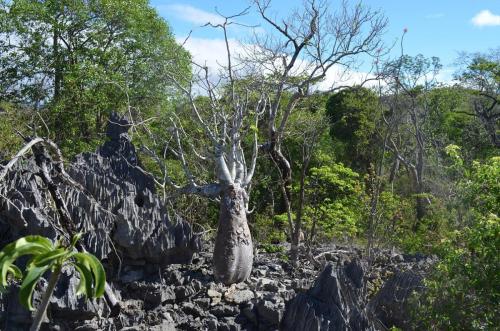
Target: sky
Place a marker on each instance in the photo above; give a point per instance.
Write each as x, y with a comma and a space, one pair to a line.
441, 28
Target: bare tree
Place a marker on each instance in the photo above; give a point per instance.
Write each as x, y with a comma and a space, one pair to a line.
227, 113
297, 55
409, 81
266, 81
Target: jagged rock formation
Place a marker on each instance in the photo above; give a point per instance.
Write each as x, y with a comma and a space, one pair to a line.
390, 306
118, 210
111, 200
333, 303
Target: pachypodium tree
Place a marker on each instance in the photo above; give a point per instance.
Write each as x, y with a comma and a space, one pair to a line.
45, 257
224, 119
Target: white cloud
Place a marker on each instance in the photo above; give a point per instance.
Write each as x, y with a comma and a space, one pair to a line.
211, 52
486, 18
446, 76
337, 77
190, 14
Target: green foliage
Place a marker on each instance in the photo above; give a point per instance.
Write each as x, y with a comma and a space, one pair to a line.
483, 71
452, 121
80, 60
10, 118
270, 230
481, 190
464, 291
353, 114
334, 193
273, 248
45, 256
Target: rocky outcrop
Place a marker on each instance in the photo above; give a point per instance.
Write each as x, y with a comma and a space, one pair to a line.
111, 200
116, 205
275, 297
335, 302
391, 305
152, 271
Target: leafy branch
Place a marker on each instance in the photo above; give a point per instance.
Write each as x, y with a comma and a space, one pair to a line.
46, 256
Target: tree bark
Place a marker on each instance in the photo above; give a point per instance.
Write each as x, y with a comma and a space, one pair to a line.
233, 252
285, 170
57, 62
42, 309
296, 235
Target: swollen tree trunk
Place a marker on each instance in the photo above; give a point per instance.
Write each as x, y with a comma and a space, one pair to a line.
233, 252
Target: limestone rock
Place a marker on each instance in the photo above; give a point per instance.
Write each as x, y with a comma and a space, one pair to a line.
333, 303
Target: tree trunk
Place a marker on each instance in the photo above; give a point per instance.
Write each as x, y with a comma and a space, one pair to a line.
57, 63
421, 203
285, 171
394, 171
421, 206
42, 309
233, 252
296, 235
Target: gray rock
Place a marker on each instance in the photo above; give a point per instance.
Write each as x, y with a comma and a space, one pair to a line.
183, 292
334, 303
115, 204
203, 303
67, 304
250, 313
212, 324
269, 313
238, 296
390, 306
301, 285
224, 310
228, 324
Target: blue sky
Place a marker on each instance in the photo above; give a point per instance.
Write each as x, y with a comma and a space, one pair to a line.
435, 28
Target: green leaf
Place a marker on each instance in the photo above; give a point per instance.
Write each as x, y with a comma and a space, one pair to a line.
75, 238
50, 258
28, 285
85, 285
15, 271
29, 245
94, 274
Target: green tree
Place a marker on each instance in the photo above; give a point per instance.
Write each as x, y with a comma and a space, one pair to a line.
464, 291
353, 114
409, 82
74, 61
335, 193
482, 75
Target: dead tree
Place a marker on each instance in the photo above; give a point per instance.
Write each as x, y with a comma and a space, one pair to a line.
409, 81
297, 55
